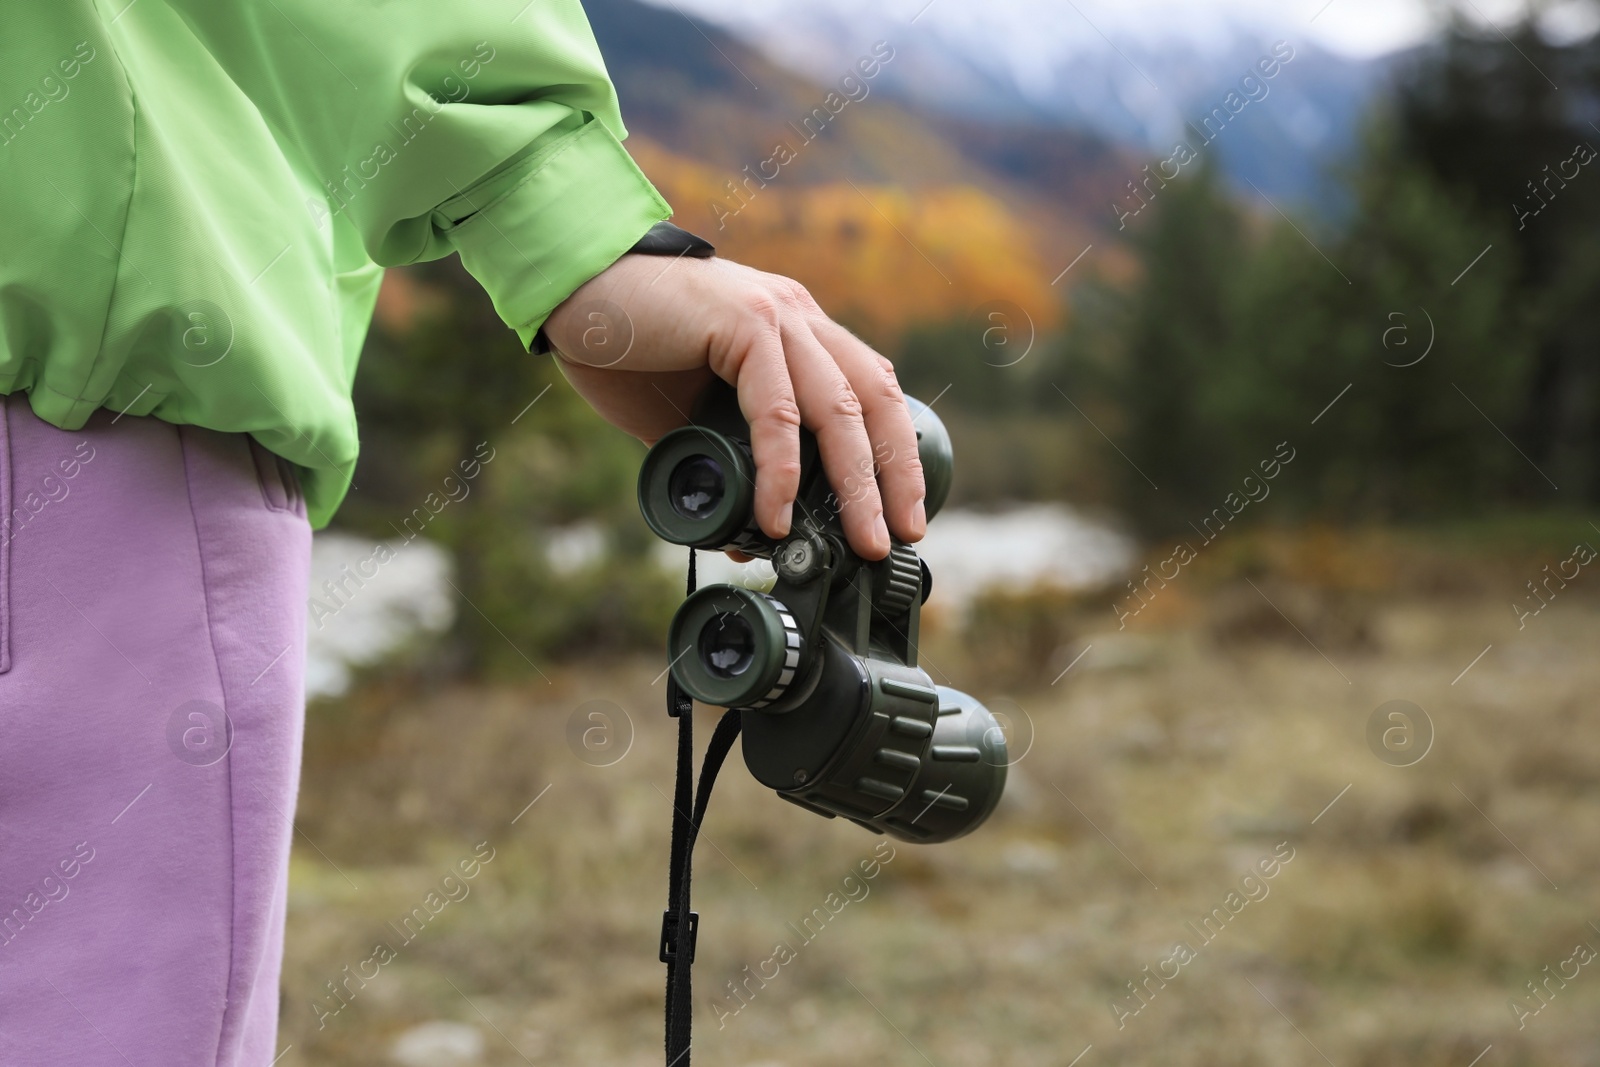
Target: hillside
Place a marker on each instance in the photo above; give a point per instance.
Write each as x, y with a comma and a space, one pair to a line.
1133, 73
889, 214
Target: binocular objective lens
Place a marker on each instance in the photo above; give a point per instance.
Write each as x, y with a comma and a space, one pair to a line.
696, 486
727, 645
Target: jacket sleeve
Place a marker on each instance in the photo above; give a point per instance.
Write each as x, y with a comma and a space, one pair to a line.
484, 127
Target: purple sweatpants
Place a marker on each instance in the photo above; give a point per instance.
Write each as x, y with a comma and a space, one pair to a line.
152, 636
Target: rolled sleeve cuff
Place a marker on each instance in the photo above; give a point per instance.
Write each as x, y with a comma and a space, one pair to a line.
538, 235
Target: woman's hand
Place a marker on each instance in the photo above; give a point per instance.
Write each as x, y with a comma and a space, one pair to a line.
642, 339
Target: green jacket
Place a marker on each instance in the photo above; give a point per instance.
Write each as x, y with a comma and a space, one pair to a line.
200, 196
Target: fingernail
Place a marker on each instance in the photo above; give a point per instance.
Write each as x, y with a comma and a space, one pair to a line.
786, 518
919, 518
880, 536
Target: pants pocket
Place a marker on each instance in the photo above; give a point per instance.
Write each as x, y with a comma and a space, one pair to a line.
280, 485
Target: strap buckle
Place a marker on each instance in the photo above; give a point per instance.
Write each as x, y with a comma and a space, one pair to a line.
679, 703
669, 935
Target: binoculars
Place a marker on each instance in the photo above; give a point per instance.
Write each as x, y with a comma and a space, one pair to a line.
836, 716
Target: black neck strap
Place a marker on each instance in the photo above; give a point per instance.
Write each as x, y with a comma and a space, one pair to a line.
678, 938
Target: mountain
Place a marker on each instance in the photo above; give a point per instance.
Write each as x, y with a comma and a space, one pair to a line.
1131, 76
889, 211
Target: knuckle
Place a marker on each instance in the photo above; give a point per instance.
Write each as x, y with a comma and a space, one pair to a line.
798, 295
843, 403
764, 309
784, 413
865, 493
784, 290
888, 384
785, 470
913, 472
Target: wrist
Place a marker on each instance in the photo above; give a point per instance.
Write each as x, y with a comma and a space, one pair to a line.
662, 239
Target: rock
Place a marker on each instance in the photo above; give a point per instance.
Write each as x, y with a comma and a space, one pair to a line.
438, 1044
1031, 857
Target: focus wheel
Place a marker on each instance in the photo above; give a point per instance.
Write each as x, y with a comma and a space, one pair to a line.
898, 581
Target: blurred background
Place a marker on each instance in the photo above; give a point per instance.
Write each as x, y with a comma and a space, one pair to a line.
1266, 333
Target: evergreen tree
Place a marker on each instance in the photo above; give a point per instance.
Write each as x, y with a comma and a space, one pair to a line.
454, 388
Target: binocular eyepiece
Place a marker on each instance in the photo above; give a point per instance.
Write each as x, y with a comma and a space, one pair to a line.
836, 715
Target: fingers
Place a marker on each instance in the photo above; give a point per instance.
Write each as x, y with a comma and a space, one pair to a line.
832, 411
888, 425
792, 366
761, 378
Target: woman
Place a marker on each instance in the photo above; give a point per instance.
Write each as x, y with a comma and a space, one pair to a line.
200, 200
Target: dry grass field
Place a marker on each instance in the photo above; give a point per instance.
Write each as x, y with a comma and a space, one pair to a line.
1408, 907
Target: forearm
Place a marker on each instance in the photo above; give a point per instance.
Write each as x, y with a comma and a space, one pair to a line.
643, 404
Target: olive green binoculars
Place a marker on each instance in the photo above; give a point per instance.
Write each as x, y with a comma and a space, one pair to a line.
836, 716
